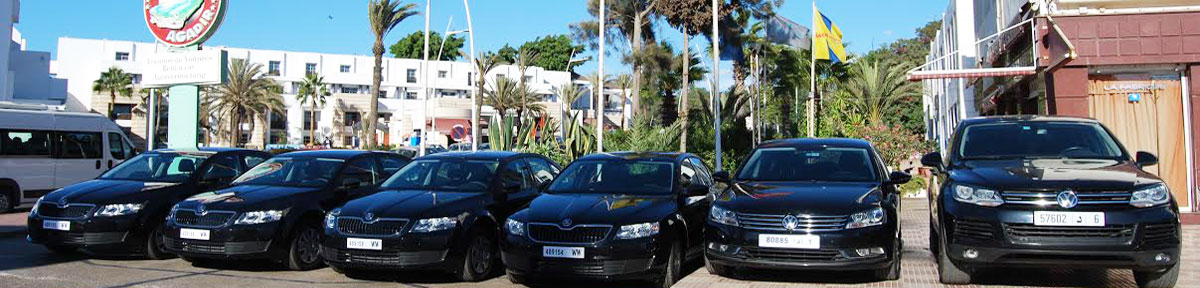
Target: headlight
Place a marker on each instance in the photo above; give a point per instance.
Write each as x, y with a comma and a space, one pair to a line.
515, 227
722, 216
331, 218
435, 224
636, 231
873, 217
1150, 196
977, 196
259, 217
118, 210
35, 206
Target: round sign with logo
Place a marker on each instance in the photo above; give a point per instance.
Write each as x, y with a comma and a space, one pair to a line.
182, 23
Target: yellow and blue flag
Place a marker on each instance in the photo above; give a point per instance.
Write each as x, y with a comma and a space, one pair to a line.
828, 41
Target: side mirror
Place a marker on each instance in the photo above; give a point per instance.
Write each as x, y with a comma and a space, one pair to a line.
351, 184
721, 177
696, 189
933, 160
898, 178
1145, 159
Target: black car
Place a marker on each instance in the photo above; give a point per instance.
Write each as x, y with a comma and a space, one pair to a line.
613, 216
274, 211
1035, 191
123, 209
441, 212
808, 204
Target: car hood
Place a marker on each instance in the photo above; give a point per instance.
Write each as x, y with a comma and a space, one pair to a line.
414, 204
101, 191
600, 208
814, 198
1053, 174
249, 197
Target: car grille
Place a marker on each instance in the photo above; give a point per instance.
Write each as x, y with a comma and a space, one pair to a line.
222, 248
71, 211
210, 219
1160, 234
380, 227
973, 229
382, 257
1051, 197
793, 255
808, 223
592, 267
578, 234
78, 238
1030, 234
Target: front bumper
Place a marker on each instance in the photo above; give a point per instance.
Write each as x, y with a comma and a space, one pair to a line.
637, 259
738, 247
227, 242
107, 233
409, 251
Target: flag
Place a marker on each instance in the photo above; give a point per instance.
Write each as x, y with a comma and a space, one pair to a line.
828, 40
783, 31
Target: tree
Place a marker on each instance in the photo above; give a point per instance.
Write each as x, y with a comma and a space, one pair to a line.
633, 20
876, 86
383, 16
554, 52
114, 81
413, 45
313, 90
507, 54
569, 93
247, 93
484, 64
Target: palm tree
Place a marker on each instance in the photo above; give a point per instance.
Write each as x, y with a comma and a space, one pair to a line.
114, 81
633, 20
383, 15
876, 86
568, 94
247, 93
624, 81
484, 64
598, 92
313, 90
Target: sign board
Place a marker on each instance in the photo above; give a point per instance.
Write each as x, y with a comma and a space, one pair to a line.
204, 67
182, 23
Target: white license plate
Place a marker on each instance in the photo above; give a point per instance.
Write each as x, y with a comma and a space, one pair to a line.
194, 234
562, 252
789, 241
1082, 219
56, 225
364, 244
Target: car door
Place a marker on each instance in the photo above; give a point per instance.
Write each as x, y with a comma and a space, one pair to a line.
78, 157
25, 156
695, 208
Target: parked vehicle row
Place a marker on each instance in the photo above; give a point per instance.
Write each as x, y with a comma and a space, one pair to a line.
1013, 191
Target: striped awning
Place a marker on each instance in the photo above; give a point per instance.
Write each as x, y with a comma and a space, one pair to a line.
971, 73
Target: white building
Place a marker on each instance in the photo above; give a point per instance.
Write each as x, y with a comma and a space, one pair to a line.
82, 60
25, 76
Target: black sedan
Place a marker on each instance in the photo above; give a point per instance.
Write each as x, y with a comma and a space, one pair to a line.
808, 204
613, 216
441, 212
122, 210
274, 211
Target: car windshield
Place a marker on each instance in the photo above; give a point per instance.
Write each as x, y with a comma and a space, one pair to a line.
157, 167
444, 175
825, 164
637, 177
291, 171
1040, 139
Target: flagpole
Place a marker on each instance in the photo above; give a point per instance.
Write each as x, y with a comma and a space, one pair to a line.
716, 76
812, 76
598, 97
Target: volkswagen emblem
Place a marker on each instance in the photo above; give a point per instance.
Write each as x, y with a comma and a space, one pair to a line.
791, 222
369, 217
1067, 199
566, 223
200, 210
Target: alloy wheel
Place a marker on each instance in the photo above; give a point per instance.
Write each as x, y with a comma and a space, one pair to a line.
309, 246
480, 256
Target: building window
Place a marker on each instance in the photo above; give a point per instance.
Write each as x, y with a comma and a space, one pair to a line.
308, 116
410, 95
351, 118
344, 68
348, 141
382, 94
273, 68
278, 122
310, 68
350, 89
135, 78
528, 79
442, 74
471, 79
412, 75
121, 112
307, 140
122, 56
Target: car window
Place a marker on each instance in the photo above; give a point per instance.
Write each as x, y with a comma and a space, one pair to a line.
1032, 139
688, 173
541, 171
363, 169
516, 172
447, 174
116, 147
636, 177
173, 167
253, 160
79, 145
705, 175
222, 167
391, 165
835, 164
25, 143
292, 171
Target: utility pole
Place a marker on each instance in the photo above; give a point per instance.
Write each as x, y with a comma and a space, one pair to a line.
716, 39
425, 83
476, 88
599, 96
812, 76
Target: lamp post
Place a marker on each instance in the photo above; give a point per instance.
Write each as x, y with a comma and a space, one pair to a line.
429, 91
474, 92
600, 108
566, 107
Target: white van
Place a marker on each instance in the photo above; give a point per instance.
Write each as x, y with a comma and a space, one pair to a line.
43, 150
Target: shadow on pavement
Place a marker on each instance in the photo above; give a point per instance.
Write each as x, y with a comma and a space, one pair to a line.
687, 269
1052, 277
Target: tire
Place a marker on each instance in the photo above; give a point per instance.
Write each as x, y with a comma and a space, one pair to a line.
717, 269
933, 242
947, 272
479, 258
7, 201
61, 250
673, 269
304, 251
154, 245
1157, 279
892, 272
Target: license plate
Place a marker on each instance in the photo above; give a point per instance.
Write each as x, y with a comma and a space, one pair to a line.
1081, 219
562, 252
790, 241
194, 234
364, 244
56, 225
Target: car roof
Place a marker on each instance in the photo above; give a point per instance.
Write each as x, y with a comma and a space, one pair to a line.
629, 155
1027, 118
333, 153
490, 154
839, 142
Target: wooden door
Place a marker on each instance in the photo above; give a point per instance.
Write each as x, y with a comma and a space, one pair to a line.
1153, 124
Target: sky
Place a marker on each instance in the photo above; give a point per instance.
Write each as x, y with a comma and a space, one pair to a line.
340, 26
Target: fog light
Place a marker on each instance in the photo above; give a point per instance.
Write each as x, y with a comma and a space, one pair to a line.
1162, 257
868, 252
970, 254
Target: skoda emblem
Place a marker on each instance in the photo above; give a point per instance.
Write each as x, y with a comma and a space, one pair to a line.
62, 202
370, 217
566, 223
200, 210
1067, 199
790, 222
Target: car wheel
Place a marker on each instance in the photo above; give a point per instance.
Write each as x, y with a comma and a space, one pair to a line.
305, 250
933, 243
60, 249
1157, 279
155, 250
479, 258
6, 201
674, 265
717, 269
892, 272
947, 272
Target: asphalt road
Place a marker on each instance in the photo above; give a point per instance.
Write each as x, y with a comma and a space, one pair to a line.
25, 265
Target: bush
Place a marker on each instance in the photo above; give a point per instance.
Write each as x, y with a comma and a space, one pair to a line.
912, 187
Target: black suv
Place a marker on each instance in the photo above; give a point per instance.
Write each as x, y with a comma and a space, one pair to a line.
814, 204
123, 209
440, 212
618, 216
274, 211
1049, 191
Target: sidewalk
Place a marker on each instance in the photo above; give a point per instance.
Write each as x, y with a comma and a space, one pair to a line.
13, 224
